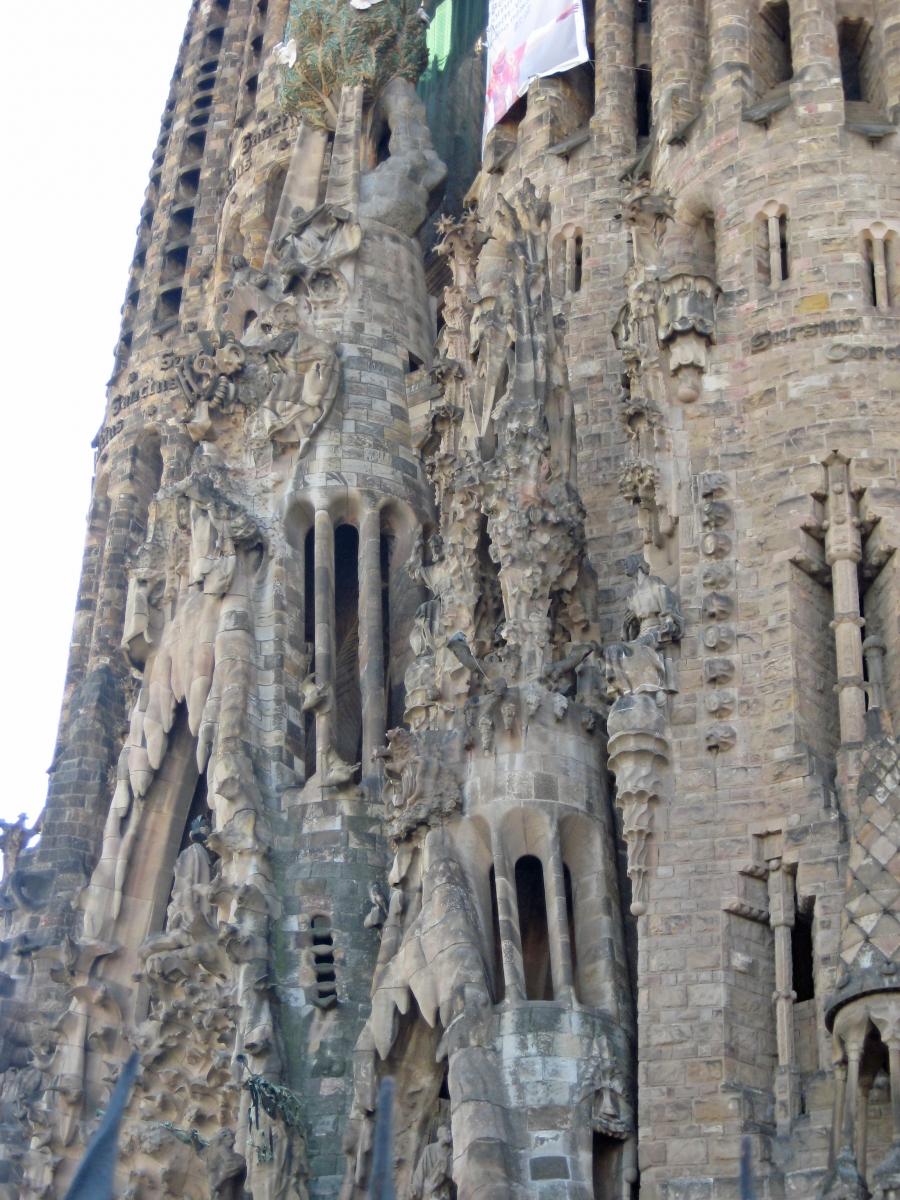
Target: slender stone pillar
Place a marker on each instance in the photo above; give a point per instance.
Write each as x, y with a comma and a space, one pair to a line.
558, 923
851, 1098
887, 30
781, 918
894, 1066
843, 551
679, 56
325, 649
862, 1126
814, 43
112, 589
837, 1123
614, 111
371, 638
508, 919
729, 41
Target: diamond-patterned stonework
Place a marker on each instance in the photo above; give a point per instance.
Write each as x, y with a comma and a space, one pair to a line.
870, 932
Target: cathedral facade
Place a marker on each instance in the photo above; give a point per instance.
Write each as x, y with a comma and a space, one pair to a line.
487, 649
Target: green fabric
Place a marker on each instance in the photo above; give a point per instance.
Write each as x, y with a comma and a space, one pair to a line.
452, 88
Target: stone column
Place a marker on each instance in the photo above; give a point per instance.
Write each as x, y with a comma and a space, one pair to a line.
729, 43
678, 53
558, 923
851, 1096
887, 30
614, 111
843, 551
112, 587
879, 270
837, 1124
325, 649
814, 44
781, 918
371, 638
862, 1125
508, 919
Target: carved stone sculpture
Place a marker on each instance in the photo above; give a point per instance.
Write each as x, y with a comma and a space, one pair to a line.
639, 665
433, 1174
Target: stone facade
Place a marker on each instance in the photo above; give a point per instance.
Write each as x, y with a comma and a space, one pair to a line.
486, 663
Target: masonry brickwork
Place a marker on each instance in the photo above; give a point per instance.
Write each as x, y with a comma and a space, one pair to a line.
485, 661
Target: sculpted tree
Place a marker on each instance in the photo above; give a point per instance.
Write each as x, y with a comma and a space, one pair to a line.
332, 43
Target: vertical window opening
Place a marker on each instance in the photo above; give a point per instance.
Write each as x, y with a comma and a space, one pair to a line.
606, 1153
870, 272
802, 957
347, 694
323, 962
570, 917
643, 87
533, 928
499, 978
851, 66
578, 264
309, 636
783, 245
771, 45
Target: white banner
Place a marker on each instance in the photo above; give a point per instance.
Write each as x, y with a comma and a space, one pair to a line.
525, 40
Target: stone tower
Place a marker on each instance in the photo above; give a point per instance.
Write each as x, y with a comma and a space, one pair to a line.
487, 650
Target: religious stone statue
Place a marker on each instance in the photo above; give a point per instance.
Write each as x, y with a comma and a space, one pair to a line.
226, 1170
304, 375
433, 1174
653, 620
313, 247
190, 889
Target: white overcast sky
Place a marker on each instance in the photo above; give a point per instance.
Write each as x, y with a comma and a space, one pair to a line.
83, 90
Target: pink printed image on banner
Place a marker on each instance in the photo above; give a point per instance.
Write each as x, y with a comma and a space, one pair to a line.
527, 39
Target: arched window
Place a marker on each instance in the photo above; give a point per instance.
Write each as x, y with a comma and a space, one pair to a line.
533, 928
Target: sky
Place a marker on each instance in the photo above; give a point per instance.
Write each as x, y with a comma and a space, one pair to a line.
81, 127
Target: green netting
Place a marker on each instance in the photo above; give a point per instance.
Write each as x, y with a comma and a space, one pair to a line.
452, 88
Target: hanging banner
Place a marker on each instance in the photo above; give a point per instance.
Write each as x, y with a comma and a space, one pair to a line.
527, 39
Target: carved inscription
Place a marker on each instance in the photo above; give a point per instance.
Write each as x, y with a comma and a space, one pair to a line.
765, 339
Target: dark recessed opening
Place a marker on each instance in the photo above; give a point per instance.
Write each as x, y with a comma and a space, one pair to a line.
182, 222
201, 102
194, 145
848, 47
209, 67
206, 84
802, 957
533, 928
579, 260
189, 184
212, 43
783, 244
777, 19
642, 92
169, 304
606, 1152
347, 694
